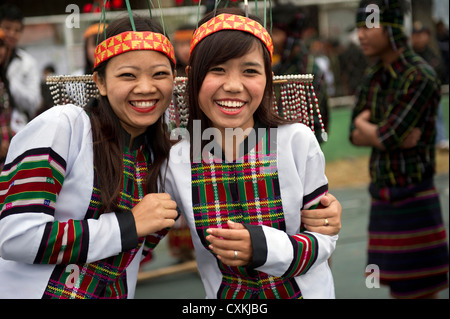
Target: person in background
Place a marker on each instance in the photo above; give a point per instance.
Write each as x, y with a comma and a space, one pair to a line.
182, 42
6, 104
420, 42
47, 99
292, 57
21, 69
317, 49
353, 63
443, 44
89, 45
395, 115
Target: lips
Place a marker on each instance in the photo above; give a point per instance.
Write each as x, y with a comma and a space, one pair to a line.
143, 106
230, 107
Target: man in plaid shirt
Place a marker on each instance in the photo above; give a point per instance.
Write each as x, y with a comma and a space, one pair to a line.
395, 114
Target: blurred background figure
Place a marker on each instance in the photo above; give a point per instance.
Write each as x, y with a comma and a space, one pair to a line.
353, 63
6, 103
90, 43
395, 116
21, 69
442, 41
318, 50
291, 56
420, 41
182, 43
47, 100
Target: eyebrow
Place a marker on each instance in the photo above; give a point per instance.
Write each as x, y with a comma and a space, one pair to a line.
138, 68
254, 64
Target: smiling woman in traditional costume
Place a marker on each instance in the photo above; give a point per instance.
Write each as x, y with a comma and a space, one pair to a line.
80, 204
242, 198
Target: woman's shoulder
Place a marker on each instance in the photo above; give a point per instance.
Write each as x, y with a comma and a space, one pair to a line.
59, 128
295, 129
69, 109
69, 113
59, 120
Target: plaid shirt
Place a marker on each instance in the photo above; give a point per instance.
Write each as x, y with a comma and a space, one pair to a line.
401, 97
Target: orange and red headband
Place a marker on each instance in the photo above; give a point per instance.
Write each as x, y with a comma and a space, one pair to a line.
132, 41
232, 22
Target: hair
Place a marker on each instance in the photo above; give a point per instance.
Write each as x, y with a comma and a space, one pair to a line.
218, 48
106, 128
11, 12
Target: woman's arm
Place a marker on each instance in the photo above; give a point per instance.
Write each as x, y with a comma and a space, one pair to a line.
328, 212
41, 223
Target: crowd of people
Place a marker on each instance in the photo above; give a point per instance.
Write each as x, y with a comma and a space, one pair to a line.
87, 193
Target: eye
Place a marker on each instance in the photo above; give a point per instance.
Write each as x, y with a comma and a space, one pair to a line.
161, 74
216, 69
126, 75
252, 71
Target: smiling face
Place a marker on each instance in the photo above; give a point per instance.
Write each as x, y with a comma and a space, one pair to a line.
139, 87
232, 91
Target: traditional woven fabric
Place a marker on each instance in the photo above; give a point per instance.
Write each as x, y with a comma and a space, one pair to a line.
131, 41
407, 240
72, 241
232, 22
265, 188
105, 278
403, 96
247, 191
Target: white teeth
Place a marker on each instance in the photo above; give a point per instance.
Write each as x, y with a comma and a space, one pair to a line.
143, 103
231, 104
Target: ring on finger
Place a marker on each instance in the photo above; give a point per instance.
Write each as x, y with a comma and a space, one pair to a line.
326, 223
235, 254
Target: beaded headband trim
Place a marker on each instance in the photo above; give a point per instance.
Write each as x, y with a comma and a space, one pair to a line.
133, 41
232, 22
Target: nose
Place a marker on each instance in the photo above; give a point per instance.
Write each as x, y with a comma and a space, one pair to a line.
233, 83
145, 85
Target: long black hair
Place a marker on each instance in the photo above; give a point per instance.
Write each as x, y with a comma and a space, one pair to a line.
106, 128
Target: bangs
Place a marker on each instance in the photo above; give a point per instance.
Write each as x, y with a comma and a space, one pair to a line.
221, 47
